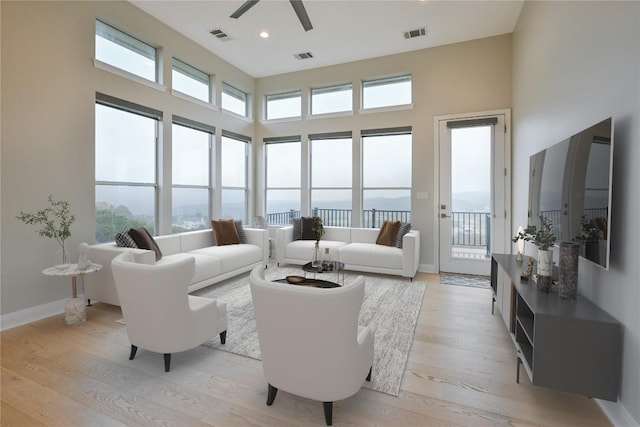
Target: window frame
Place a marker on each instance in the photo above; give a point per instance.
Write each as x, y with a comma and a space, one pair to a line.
318, 138
132, 108
189, 71
280, 96
129, 42
210, 131
331, 89
368, 133
381, 82
247, 150
297, 139
234, 92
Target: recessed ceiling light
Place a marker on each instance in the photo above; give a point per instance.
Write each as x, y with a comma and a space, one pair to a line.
264, 34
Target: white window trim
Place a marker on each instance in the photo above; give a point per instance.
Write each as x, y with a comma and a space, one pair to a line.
331, 115
282, 120
235, 115
386, 109
194, 100
127, 75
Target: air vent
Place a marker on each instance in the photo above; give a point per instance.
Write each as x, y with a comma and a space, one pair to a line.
415, 33
221, 35
304, 55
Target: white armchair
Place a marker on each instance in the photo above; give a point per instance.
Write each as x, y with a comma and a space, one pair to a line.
159, 314
310, 340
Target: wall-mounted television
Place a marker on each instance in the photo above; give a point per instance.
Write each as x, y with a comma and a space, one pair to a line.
570, 185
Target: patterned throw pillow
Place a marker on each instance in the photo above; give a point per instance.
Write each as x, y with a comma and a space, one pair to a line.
240, 230
123, 240
297, 228
405, 227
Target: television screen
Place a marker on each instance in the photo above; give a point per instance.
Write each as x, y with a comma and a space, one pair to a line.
570, 185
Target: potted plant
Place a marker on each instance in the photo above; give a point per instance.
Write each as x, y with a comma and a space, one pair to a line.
589, 239
318, 228
318, 231
54, 221
544, 239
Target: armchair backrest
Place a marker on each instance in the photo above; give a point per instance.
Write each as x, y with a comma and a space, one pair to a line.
154, 298
308, 336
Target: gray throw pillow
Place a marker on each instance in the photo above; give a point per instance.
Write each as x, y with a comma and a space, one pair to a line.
405, 227
240, 231
144, 240
297, 228
307, 228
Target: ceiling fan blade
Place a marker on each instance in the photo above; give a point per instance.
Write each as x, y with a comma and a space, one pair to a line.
298, 7
242, 9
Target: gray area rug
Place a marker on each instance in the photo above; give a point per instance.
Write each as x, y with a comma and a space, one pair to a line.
465, 280
391, 307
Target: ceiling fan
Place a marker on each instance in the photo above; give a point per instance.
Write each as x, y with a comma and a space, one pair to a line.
297, 5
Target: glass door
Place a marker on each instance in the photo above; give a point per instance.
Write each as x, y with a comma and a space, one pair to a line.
472, 209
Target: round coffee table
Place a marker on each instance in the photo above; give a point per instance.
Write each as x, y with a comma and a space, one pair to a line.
326, 267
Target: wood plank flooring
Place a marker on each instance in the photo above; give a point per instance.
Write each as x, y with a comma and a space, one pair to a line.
461, 371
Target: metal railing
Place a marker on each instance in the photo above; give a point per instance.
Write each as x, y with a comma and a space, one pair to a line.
372, 218
471, 229
468, 229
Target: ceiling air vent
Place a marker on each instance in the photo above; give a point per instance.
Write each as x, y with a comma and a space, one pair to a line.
415, 33
304, 55
221, 35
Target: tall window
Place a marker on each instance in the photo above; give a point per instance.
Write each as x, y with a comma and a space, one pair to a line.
331, 181
332, 99
190, 81
235, 149
283, 179
191, 179
234, 100
386, 92
283, 105
125, 52
125, 166
386, 175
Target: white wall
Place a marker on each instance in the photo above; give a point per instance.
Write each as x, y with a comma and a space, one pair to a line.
48, 96
466, 77
49, 83
574, 64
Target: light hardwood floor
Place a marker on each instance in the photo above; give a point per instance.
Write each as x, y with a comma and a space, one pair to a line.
461, 371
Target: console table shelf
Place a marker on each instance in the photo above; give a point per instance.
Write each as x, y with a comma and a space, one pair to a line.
566, 345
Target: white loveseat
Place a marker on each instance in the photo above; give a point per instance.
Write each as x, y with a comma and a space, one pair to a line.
212, 263
356, 248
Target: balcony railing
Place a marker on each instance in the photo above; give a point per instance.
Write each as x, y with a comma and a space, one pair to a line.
471, 230
372, 218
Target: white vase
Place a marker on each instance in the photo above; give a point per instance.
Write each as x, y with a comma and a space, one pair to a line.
545, 262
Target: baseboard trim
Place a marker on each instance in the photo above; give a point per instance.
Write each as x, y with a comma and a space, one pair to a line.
617, 413
427, 268
31, 314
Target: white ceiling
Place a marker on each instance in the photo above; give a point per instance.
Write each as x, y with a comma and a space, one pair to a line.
343, 30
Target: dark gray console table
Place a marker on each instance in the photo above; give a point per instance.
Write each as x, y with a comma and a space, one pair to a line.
571, 346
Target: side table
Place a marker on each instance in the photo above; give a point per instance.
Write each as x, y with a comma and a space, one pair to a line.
75, 311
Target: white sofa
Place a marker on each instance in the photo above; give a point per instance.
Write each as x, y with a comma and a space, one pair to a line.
212, 263
356, 248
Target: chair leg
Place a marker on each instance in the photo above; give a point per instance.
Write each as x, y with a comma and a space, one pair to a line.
369, 376
223, 337
328, 412
271, 396
167, 361
133, 352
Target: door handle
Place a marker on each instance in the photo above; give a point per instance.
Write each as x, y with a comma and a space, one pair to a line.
443, 215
